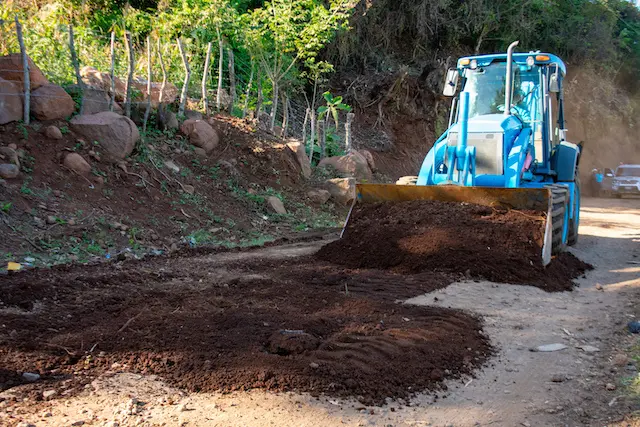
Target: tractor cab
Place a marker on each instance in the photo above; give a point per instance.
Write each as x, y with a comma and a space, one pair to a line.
506, 146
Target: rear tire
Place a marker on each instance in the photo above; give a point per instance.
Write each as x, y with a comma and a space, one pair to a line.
574, 222
407, 180
560, 197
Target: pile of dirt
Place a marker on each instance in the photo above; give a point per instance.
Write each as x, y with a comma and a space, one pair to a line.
206, 326
477, 241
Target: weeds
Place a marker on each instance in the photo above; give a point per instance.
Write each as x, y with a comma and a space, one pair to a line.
5, 206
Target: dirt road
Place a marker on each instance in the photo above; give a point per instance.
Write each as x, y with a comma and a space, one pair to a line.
515, 387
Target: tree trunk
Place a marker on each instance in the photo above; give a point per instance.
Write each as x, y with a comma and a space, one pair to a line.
274, 105
304, 126
76, 68
27, 79
220, 64
112, 99
322, 133
127, 95
246, 97
205, 75
187, 77
232, 82
148, 110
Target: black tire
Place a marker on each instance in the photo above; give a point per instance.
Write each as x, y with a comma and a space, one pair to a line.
560, 196
572, 238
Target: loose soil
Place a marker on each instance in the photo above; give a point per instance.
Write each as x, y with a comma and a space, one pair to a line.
241, 326
478, 241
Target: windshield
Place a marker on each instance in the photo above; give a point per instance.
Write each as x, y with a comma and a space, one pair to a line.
628, 172
486, 87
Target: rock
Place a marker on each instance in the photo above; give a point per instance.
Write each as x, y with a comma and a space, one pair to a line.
31, 377
52, 132
115, 133
599, 287
10, 155
314, 365
170, 92
634, 326
353, 164
193, 115
276, 205
301, 156
10, 102
367, 155
13, 146
172, 166
549, 347
189, 189
436, 375
319, 197
97, 101
610, 386
101, 82
51, 102
78, 164
172, 120
287, 342
200, 134
558, 378
229, 168
48, 393
620, 360
200, 152
51, 219
342, 190
9, 171
588, 348
25, 424
11, 70
77, 423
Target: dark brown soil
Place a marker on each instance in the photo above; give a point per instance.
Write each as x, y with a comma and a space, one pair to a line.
477, 241
304, 325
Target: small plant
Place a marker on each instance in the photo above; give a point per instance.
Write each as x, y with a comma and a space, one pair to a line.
24, 189
5, 206
64, 130
23, 129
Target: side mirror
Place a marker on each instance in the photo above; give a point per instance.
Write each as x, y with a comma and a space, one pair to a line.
451, 82
554, 82
609, 175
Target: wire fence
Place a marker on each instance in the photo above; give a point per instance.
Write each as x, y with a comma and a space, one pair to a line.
93, 91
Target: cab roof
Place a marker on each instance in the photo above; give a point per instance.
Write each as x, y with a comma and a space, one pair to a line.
518, 58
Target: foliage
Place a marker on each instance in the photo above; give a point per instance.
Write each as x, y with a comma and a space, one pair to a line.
332, 108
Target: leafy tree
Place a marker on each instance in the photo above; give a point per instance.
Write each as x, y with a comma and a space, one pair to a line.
332, 108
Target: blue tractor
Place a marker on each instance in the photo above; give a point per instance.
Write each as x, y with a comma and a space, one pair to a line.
505, 144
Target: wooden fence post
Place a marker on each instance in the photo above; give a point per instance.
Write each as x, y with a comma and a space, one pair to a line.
258, 109
274, 105
322, 134
304, 126
220, 64
347, 131
285, 115
148, 110
232, 81
26, 75
187, 77
112, 99
205, 75
313, 134
164, 73
248, 93
76, 67
127, 95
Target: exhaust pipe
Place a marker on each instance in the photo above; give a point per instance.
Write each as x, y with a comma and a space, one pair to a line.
509, 82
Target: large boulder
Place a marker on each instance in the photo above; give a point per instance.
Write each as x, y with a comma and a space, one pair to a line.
115, 133
10, 102
169, 95
96, 101
11, 69
200, 134
367, 155
353, 164
96, 79
276, 205
342, 190
9, 171
301, 156
51, 102
319, 197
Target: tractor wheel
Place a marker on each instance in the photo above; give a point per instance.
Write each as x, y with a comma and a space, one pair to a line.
407, 180
574, 222
560, 197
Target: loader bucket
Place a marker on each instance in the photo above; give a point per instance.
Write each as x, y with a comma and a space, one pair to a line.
529, 199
